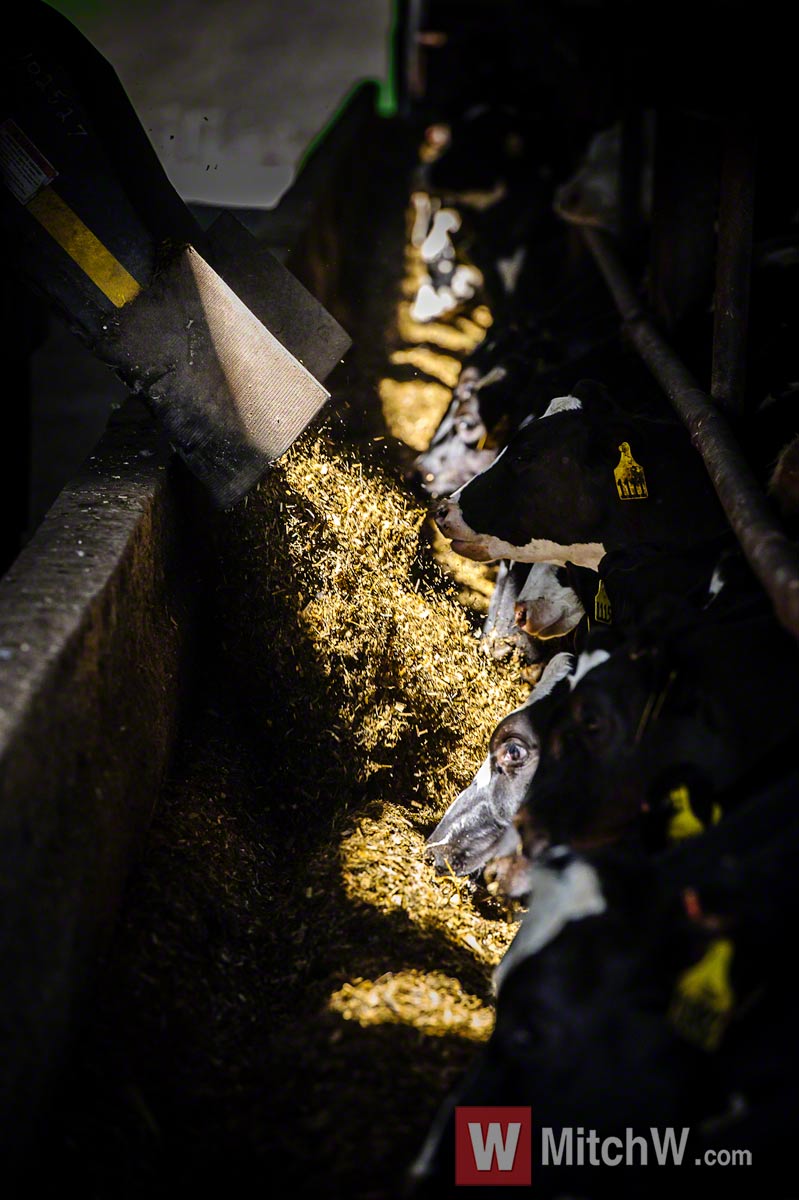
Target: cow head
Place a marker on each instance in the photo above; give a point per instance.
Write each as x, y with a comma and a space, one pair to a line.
471, 831
483, 150
544, 497
463, 444
583, 478
548, 607
582, 1032
639, 745
494, 384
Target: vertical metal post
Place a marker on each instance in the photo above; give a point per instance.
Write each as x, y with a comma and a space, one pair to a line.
631, 173
406, 53
733, 268
683, 247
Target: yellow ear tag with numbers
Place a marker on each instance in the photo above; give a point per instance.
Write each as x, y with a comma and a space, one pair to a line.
703, 998
602, 609
629, 476
684, 822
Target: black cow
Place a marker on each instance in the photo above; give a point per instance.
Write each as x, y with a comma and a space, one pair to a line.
483, 151
585, 478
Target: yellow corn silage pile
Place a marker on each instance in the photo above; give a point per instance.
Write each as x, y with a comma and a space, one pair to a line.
377, 701
370, 645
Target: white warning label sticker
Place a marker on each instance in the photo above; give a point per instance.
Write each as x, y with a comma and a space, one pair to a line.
24, 170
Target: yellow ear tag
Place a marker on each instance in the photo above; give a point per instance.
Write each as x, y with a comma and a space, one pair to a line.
629, 476
684, 822
703, 998
602, 609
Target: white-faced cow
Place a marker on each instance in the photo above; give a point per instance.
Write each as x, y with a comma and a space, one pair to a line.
470, 832
548, 606
558, 601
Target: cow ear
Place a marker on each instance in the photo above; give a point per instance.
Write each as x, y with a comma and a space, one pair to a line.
595, 397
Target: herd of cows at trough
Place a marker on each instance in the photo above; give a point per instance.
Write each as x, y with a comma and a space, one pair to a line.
640, 806
432, 843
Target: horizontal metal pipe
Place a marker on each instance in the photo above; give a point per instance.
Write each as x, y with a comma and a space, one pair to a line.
770, 553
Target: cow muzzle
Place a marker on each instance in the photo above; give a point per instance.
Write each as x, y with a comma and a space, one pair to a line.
447, 515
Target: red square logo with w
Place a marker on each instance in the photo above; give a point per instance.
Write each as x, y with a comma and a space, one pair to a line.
493, 1147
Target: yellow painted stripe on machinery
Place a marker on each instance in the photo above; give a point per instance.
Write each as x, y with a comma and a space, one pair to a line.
105, 271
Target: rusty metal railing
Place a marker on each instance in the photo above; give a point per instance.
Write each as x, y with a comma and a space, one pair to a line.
770, 553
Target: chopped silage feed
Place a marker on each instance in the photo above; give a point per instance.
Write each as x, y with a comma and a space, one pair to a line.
391, 668
291, 982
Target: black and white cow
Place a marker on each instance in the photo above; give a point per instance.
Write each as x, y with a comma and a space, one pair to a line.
625, 586
502, 634
536, 605
656, 728
497, 166
548, 605
471, 830
581, 1034
527, 356
510, 376
583, 479
557, 601
647, 991
532, 608
491, 398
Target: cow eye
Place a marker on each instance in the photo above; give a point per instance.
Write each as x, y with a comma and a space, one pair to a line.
520, 463
593, 721
512, 754
590, 719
